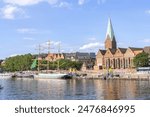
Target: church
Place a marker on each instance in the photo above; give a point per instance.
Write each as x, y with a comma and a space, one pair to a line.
113, 56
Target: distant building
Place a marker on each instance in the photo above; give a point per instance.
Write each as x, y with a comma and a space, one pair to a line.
42, 56
54, 56
1, 61
70, 56
88, 59
147, 49
1, 64
113, 57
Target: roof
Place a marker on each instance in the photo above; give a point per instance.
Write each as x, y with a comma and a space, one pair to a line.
110, 30
135, 49
147, 49
123, 50
113, 51
82, 54
42, 55
92, 55
69, 54
103, 52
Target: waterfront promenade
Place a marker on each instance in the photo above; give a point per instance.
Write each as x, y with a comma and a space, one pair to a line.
88, 74
116, 74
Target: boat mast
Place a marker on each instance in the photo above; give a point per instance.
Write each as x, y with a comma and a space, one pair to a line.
39, 49
48, 54
58, 55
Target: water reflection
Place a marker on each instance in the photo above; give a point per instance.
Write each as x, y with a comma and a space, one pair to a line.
25, 89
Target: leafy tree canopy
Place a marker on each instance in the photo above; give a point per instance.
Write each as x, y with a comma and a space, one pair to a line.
18, 63
141, 60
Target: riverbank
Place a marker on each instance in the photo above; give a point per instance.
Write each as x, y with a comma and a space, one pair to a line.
90, 74
114, 75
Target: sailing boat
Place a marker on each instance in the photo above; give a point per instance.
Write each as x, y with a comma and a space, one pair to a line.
48, 75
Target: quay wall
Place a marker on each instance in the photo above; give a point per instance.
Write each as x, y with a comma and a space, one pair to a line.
116, 74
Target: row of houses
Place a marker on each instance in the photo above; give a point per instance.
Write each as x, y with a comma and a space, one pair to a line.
88, 59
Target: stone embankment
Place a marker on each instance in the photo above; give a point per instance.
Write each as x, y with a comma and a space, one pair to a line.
115, 75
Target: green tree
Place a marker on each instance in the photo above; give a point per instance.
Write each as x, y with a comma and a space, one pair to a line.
66, 64
18, 63
141, 60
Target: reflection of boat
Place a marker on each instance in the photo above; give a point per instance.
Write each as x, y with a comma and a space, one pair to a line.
52, 76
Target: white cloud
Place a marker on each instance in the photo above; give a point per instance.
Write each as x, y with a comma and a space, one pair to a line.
81, 2
11, 12
51, 44
52, 2
22, 2
64, 5
146, 40
27, 30
14, 8
54, 43
101, 1
147, 11
28, 38
29, 2
92, 39
91, 46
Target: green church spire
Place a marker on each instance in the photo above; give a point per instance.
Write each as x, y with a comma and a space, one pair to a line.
110, 42
110, 31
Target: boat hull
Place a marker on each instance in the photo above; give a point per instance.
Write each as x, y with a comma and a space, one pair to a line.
5, 76
51, 76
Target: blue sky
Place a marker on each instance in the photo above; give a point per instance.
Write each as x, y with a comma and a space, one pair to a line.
79, 25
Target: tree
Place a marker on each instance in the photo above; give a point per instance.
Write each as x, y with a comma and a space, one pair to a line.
141, 60
67, 64
18, 63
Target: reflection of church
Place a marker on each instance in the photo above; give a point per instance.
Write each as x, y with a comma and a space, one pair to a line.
113, 57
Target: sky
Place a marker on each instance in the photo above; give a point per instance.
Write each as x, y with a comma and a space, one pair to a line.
75, 25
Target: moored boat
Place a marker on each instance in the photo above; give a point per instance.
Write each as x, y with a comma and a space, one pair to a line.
37, 62
52, 76
6, 75
23, 75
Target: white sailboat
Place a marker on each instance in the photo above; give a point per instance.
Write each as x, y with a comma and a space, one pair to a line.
51, 75
5, 75
56, 75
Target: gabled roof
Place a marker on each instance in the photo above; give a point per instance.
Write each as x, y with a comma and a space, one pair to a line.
123, 50
102, 51
113, 51
135, 49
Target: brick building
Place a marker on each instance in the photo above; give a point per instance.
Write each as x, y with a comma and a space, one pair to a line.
54, 56
113, 57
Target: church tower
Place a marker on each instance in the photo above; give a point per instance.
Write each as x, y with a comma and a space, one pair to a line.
110, 41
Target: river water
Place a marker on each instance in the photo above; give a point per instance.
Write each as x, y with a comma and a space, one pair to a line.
73, 89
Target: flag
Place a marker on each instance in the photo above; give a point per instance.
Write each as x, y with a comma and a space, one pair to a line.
34, 64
